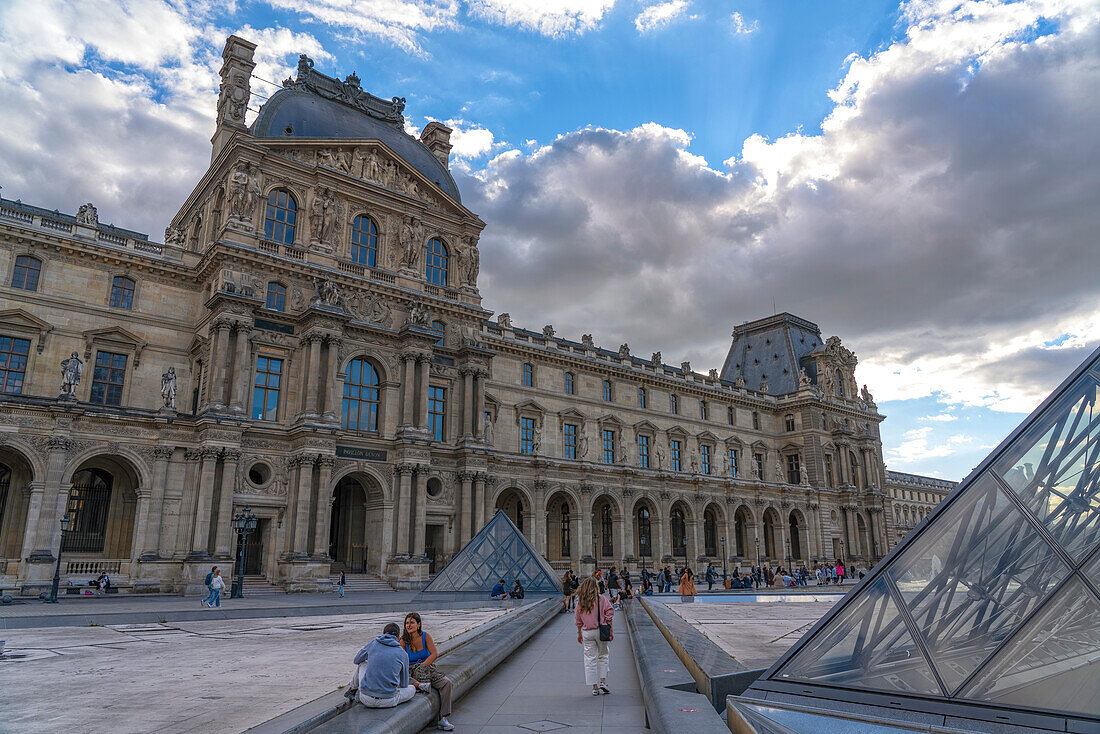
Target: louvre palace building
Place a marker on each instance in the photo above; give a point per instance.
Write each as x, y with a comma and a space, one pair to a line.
309, 342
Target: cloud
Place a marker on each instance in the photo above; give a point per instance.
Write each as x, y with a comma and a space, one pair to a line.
469, 141
660, 15
941, 418
917, 445
740, 27
400, 22
555, 18
940, 222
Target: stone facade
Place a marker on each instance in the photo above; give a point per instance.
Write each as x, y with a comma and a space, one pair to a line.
309, 342
914, 496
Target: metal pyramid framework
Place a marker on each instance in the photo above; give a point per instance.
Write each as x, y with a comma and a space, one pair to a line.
990, 610
498, 551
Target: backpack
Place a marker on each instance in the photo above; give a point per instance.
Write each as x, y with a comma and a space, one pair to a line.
209, 578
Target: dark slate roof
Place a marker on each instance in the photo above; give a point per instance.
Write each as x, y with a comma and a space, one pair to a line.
772, 349
306, 114
54, 214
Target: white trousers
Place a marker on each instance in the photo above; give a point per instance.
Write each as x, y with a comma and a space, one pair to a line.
402, 695
597, 657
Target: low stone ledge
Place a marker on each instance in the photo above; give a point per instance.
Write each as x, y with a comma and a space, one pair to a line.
672, 704
465, 661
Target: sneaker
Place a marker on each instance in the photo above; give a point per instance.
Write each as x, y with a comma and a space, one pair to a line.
604, 688
424, 687
445, 725
595, 692
351, 693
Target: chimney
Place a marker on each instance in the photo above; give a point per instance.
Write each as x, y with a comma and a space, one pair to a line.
237, 66
437, 137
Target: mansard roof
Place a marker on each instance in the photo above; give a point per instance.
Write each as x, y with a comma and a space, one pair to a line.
772, 350
314, 105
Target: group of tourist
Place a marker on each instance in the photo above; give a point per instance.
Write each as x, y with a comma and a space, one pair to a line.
499, 591
396, 665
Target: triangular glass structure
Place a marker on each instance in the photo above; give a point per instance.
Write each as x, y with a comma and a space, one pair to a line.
498, 551
993, 603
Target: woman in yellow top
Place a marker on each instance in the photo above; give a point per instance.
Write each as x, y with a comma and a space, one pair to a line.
687, 583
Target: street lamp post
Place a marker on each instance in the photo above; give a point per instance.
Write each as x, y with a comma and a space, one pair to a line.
244, 522
759, 571
595, 555
789, 559
841, 559
723, 561
57, 569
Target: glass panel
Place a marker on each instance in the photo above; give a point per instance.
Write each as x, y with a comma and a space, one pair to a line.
1053, 467
1091, 569
866, 645
1053, 663
972, 576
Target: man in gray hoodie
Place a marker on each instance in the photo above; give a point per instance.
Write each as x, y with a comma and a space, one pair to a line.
382, 678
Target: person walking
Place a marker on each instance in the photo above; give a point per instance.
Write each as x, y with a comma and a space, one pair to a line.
343, 580
687, 583
206, 600
422, 656
710, 576
593, 617
217, 584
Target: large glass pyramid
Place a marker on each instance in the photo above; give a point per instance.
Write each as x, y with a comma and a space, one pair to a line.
498, 551
992, 604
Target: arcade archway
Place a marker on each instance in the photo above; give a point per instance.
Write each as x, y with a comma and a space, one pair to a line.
355, 530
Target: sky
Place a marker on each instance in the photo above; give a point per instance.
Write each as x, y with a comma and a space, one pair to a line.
921, 179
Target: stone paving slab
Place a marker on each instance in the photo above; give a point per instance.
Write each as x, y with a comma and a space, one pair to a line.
210, 676
755, 634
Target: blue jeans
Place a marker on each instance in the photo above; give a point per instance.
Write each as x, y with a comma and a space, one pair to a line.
209, 596
341, 588
215, 598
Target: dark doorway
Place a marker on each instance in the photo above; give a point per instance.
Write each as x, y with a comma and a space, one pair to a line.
433, 545
253, 549
347, 536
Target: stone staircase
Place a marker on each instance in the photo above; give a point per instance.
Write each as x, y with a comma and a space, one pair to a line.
258, 585
362, 582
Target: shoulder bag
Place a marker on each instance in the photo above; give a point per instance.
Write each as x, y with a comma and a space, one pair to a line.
605, 629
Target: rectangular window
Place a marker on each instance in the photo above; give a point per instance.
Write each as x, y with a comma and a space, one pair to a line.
703, 409
528, 375
108, 377
437, 410
756, 420
26, 273
569, 440
759, 460
526, 435
643, 452
704, 452
733, 462
608, 446
788, 423
122, 293
794, 474
673, 404
677, 460
730, 415
641, 397
265, 390
13, 363
607, 390
570, 388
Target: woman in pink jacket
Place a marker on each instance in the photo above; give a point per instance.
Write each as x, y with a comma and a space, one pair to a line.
593, 609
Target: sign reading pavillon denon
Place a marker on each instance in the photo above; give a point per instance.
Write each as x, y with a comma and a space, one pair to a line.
360, 454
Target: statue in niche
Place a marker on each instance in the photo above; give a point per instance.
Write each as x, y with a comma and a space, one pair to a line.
623, 459
71, 371
660, 457
504, 320
536, 441
412, 237
418, 314
548, 331
754, 467
244, 192
168, 388
372, 167
694, 461
389, 174
803, 475
779, 471
726, 466
488, 431
655, 360
586, 341
88, 215
473, 261
582, 448
326, 292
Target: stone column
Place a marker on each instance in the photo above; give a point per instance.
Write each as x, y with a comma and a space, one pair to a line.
465, 508
845, 466
305, 493
219, 336
408, 388
314, 375
242, 368
538, 518
224, 530
147, 529
479, 402
323, 507
200, 539
694, 546
627, 532
403, 509
468, 419
479, 501
420, 493
423, 364
331, 368
35, 500
847, 549
585, 541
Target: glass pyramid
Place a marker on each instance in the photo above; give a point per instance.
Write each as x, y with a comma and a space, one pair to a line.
498, 551
995, 601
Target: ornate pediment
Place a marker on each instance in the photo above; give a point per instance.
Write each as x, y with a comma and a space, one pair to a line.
114, 336
347, 92
21, 322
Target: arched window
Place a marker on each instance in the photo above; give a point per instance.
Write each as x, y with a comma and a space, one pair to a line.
26, 273
673, 404
89, 499
755, 420
641, 397
528, 374
276, 296
839, 384
710, 533
122, 292
435, 271
364, 241
570, 384
280, 216
565, 530
679, 538
644, 548
788, 422
606, 530
361, 397
794, 538
439, 328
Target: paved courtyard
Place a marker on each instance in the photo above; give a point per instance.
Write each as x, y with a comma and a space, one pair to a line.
756, 634
220, 675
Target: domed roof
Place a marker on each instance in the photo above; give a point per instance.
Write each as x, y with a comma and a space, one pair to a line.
300, 111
